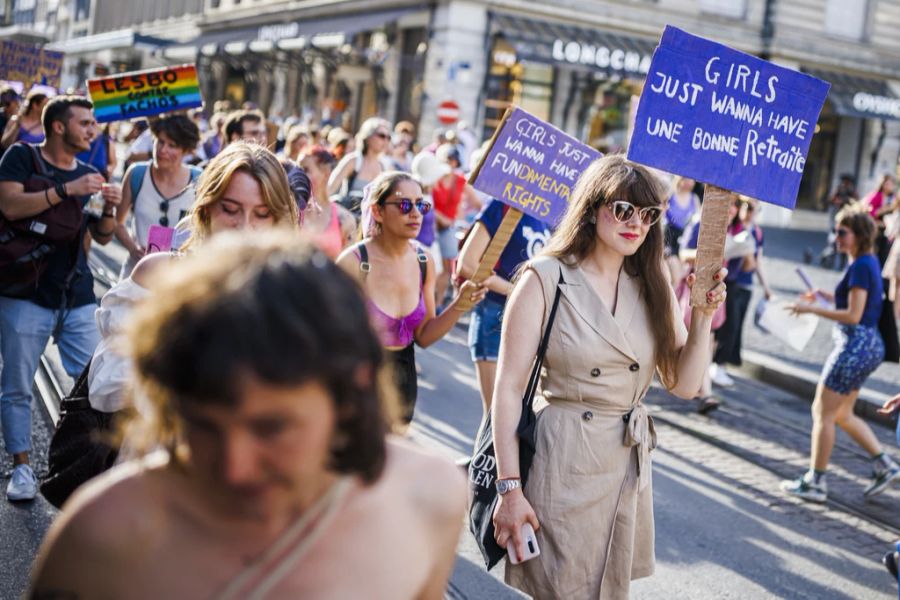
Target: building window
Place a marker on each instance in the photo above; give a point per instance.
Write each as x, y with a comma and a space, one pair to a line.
23, 12
82, 10
735, 9
510, 81
847, 19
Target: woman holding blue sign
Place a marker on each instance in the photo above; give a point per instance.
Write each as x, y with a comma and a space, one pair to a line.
858, 351
589, 494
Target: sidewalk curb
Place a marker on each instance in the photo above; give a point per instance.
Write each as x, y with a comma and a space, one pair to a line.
803, 382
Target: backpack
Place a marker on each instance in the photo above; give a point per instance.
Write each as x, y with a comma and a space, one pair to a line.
26, 244
139, 169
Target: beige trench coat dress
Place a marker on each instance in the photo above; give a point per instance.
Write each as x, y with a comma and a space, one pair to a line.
590, 481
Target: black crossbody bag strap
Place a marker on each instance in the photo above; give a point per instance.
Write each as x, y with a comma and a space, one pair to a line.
528, 398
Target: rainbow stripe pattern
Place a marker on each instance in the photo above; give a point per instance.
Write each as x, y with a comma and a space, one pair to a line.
145, 93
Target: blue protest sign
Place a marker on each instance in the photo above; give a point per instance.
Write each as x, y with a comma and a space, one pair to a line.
726, 118
532, 166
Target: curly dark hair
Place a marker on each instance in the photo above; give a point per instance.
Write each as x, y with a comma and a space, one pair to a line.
275, 307
181, 129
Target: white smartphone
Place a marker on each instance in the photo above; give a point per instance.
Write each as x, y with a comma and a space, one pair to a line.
531, 545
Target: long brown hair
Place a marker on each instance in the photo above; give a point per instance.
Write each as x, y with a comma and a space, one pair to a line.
609, 179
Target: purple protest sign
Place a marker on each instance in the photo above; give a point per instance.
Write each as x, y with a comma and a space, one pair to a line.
532, 166
726, 118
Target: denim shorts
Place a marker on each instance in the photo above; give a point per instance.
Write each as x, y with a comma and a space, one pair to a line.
484, 331
449, 245
858, 350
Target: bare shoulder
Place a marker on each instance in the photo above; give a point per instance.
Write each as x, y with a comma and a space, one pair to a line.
147, 266
107, 522
349, 260
431, 482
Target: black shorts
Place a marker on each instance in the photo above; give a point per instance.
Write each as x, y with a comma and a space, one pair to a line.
406, 380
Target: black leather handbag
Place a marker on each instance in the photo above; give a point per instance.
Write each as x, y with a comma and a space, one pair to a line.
80, 448
483, 466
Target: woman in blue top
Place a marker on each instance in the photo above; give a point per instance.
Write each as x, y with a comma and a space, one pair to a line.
526, 243
858, 351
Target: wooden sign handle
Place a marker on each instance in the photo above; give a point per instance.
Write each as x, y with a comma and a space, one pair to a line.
711, 242
492, 254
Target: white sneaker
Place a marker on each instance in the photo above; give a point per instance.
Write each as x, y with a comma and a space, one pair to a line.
22, 484
719, 376
805, 489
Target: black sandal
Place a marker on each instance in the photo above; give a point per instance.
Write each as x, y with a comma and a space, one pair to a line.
707, 405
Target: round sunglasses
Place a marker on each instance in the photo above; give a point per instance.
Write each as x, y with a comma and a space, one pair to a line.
406, 205
622, 212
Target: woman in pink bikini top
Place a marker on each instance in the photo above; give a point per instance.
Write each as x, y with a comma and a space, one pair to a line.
398, 277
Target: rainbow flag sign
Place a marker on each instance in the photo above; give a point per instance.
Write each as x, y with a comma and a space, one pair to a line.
145, 93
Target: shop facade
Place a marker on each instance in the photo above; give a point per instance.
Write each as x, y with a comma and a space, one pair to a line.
858, 134
337, 70
584, 81
580, 65
584, 74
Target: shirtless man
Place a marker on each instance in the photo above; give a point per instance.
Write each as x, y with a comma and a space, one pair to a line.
278, 480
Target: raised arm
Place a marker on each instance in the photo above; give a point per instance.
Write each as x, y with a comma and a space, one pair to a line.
694, 353
340, 173
16, 203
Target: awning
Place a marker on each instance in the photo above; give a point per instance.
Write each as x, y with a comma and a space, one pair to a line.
559, 43
23, 34
110, 40
863, 97
309, 29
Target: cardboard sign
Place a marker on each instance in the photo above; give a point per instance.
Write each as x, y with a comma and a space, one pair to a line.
726, 118
159, 239
30, 64
145, 93
532, 166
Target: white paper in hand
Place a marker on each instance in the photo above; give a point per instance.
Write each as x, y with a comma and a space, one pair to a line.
793, 330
